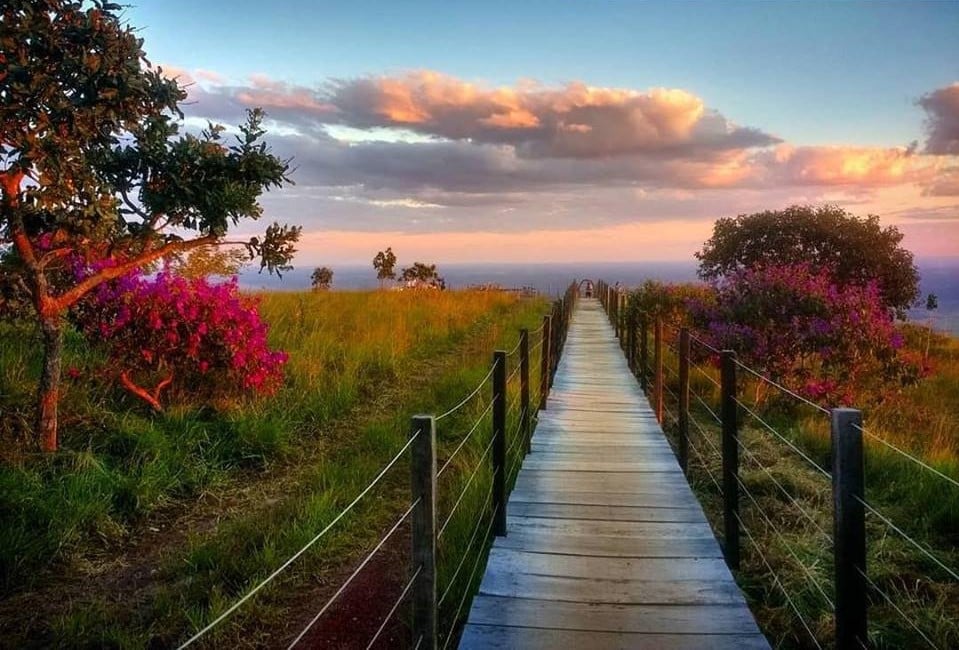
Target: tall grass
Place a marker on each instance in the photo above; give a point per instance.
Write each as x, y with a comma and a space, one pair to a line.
378, 356
120, 462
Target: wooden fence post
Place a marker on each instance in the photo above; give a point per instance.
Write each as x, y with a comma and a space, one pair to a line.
730, 447
683, 441
658, 369
849, 528
631, 341
499, 442
643, 354
544, 364
524, 388
423, 529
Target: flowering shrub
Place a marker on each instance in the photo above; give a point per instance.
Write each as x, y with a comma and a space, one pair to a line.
795, 324
173, 331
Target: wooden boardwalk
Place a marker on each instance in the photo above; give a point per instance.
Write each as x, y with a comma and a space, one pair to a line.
606, 545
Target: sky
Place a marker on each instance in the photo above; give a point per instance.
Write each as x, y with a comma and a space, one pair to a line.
585, 131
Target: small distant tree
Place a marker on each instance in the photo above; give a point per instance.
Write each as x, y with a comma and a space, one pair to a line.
385, 265
423, 275
93, 168
208, 261
854, 250
322, 278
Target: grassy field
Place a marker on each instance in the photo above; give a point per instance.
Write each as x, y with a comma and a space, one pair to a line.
145, 527
787, 506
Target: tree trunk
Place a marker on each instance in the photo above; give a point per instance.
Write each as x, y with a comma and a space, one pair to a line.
49, 390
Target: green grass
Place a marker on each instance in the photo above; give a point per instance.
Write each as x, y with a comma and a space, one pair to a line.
794, 535
350, 353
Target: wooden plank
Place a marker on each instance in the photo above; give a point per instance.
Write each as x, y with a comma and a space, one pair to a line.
645, 619
610, 546
606, 512
528, 638
649, 496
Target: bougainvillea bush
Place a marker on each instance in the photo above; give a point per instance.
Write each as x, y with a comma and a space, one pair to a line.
794, 323
186, 334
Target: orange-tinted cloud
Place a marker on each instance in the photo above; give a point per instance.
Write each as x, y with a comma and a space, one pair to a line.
575, 120
842, 165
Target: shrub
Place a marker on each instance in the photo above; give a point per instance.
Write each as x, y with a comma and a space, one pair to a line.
170, 331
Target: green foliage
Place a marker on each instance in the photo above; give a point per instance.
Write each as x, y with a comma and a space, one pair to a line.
322, 278
385, 265
667, 301
208, 261
423, 275
855, 250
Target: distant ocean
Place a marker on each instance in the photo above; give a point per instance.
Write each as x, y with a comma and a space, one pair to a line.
939, 276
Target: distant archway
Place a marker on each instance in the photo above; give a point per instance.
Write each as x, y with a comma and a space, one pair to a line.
586, 288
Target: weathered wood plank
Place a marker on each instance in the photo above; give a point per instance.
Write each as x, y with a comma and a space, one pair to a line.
488, 636
608, 546
605, 512
645, 619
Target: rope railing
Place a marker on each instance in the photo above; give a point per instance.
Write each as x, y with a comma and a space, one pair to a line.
666, 368
509, 415
260, 585
346, 583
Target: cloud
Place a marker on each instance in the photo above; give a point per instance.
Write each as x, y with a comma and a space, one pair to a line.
946, 183
942, 120
840, 165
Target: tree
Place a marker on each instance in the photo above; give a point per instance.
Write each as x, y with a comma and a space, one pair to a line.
208, 261
322, 278
854, 250
794, 323
385, 265
423, 275
93, 168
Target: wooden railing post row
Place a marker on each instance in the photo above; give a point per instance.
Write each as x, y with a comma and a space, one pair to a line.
643, 353
423, 531
631, 340
849, 528
524, 389
658, 369
556, 327
730, 449
683, 437
544, 363
499, 442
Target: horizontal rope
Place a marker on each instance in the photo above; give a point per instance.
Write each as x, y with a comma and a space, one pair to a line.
909, 539
773, 431
469, 547
896, 607
466, 591
356, 572
479, 464
463, 442
777, 581
703, 343
706, 406
470, 396
702, 372
780, 386
782, 489
702, 461
782, 540
396, 604
305, 547
907, 455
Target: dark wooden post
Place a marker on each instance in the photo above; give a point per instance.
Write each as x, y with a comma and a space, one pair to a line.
849, 528
631, 341
658, 369
683, 441
644, 354
423, 528
499, 442
730, 459
544, 364
524, 388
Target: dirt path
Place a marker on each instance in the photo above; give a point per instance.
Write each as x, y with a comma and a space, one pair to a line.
130, 575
